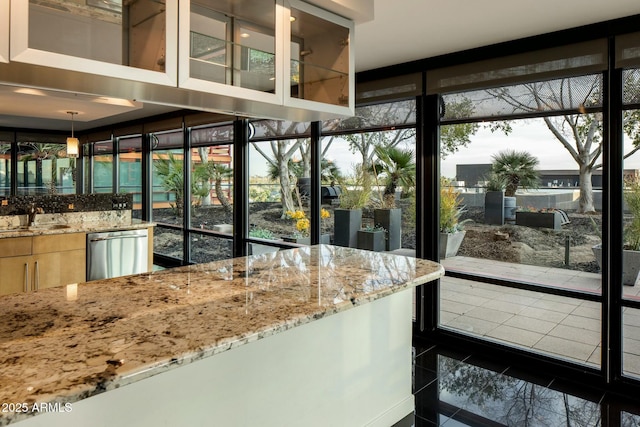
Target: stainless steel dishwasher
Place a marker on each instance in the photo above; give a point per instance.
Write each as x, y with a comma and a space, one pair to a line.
116, 253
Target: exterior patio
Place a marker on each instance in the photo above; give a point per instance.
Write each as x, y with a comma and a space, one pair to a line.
564, 327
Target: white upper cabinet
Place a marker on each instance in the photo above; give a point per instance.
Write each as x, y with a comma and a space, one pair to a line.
286, 52
232, 48
4, 31
131, 40
319, 59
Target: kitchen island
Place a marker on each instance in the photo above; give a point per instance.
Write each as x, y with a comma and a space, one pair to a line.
315, 336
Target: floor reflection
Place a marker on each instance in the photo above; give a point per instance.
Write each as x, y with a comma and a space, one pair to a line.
453, 389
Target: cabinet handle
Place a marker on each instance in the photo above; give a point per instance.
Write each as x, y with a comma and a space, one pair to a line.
26, 277
37, 276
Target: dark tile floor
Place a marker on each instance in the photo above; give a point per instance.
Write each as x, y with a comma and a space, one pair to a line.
454, 389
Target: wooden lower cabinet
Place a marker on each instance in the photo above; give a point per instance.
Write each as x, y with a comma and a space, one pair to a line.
16, 274
53, 260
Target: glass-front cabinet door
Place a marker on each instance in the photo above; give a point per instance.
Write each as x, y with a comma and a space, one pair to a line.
230, 48
136, 40
320, 65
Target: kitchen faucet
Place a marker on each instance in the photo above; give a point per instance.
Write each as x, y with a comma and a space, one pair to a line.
33, 210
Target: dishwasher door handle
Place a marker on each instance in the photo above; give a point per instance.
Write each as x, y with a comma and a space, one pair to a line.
101, 239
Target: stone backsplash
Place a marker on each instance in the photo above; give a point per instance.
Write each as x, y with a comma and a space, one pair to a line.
65, 203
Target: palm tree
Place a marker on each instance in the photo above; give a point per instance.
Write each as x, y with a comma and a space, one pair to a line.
397, 167
170, 170
220, 172
517, 169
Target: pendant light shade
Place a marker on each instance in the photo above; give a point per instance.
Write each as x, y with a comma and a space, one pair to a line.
73, 145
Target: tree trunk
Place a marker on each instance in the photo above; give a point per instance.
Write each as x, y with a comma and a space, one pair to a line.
586, 190
285, 187
206, 184
221, 196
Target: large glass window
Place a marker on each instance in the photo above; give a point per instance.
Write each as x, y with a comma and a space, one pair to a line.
130, 170
279, 170
5, 168
169, 199
43, 167
212, 178
103, 167
631, 222
521, 201
368, 177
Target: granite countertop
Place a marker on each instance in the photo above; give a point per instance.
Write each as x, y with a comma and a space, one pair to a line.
77, 222
68, 343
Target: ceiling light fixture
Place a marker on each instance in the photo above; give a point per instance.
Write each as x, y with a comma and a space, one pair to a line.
73, 145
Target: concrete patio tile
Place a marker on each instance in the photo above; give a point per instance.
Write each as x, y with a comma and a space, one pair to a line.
561, 307
631, 331
591, 304
569, 349
561, 299
631, 346
631, 317
531, 324
576, 334
587, 312
446, 317
542, 314
518, 299
582, 323
472, 325
596, 357
631, 364
465, 298
489, 315
455, 307
485, 293
515, 335
505, 306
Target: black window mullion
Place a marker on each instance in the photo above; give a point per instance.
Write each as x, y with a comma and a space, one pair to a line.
186, 209
316, 154
612, 227
240, 187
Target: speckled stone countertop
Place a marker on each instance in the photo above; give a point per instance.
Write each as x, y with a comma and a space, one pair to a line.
64, 344
74, 222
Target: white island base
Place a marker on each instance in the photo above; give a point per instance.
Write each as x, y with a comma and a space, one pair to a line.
350, 369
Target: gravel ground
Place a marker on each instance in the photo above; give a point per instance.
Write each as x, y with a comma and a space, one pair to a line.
509, 243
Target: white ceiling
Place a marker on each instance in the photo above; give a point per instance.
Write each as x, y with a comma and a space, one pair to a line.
401, 31
406, 30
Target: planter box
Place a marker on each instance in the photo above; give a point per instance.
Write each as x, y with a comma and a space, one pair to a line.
390, 220
450, 243
258, 249
346, 222
324, 239
371, 240
540, 219
494, 207
630, 264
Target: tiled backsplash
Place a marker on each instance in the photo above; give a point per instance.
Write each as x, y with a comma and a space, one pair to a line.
64, 203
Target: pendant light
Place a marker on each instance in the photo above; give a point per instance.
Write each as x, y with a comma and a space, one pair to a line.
73, 145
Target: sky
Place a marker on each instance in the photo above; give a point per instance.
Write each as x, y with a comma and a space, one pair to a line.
530, 135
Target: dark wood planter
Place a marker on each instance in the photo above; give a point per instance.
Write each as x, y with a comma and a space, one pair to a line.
539, 219
371, 240
390, 220
346, 222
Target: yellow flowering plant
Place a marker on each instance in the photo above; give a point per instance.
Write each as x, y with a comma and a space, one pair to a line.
302, 222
